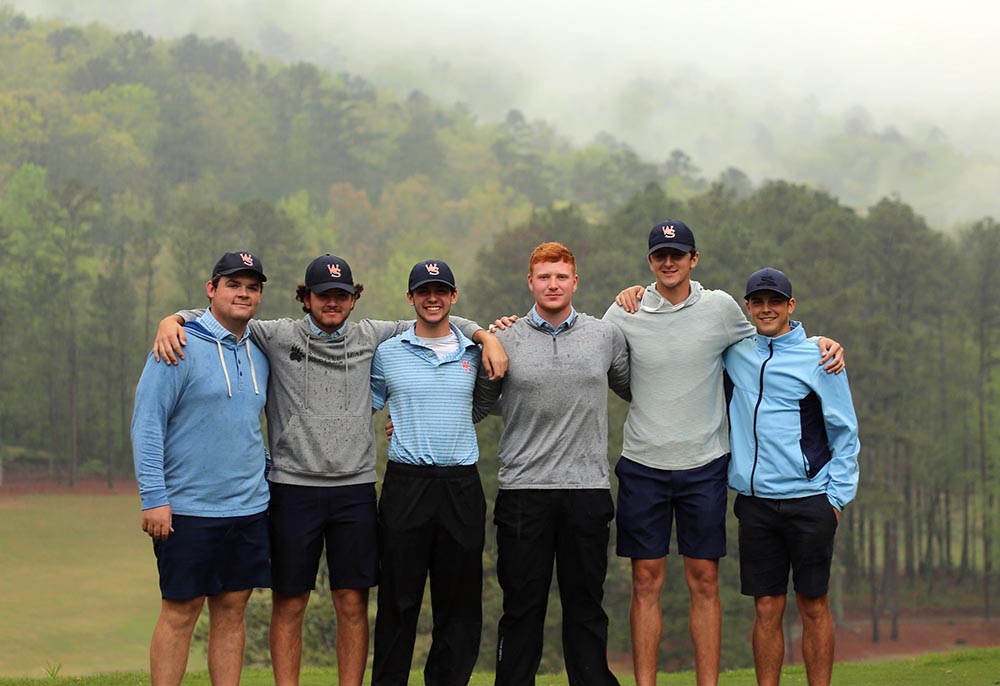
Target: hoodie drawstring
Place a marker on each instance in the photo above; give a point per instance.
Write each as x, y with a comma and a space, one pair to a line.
222, 359
225, 370
253, 372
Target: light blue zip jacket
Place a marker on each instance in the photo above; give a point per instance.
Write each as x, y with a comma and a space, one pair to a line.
793, 429
196, 437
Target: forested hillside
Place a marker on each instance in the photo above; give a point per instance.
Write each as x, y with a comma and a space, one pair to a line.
127, 165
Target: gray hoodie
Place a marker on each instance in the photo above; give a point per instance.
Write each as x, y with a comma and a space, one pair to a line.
554, 402
319, 405
677, 418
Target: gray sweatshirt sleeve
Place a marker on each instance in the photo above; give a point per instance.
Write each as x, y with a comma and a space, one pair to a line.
486, 395
618, 372
189, 315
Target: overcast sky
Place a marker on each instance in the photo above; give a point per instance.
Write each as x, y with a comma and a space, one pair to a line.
911, 64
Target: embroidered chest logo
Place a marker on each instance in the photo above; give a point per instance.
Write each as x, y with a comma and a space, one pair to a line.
334, 270
247, 258
466, 366
296, 354
669, 232
432, 269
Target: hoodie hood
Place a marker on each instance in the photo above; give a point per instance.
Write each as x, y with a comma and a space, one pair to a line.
655, 303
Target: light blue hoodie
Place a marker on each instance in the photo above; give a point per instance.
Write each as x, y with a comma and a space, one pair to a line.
794, 430
196, 437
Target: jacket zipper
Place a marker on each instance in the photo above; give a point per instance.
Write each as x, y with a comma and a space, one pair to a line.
756, 409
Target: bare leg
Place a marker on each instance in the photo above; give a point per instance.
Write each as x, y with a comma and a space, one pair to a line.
646, 617
226, 636
768, 639
817, 638
704, 618
168, 651
351, 605
287, 614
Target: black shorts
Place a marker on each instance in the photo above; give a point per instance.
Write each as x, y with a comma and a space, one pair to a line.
778, 534
303, 518
210, 555
648, 500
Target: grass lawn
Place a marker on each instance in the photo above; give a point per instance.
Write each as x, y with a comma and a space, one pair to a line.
78, 584
963, 668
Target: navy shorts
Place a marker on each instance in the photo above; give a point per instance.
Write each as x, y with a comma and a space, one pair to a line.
649, 499
303, 518
778, 534
210, 555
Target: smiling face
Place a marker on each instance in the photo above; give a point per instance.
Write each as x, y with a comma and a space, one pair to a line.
672, 269
329, 309
235, 299
553, 285
770, 312
432, 304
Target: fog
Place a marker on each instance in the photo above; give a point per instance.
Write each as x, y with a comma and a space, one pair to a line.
750, 85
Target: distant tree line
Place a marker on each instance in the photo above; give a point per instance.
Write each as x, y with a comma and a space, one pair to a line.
127, 165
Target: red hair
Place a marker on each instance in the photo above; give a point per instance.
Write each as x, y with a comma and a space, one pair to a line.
551, 252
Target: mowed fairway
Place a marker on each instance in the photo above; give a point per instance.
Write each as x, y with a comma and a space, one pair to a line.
78, 585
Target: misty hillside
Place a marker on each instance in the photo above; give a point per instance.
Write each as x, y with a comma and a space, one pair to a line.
850, 127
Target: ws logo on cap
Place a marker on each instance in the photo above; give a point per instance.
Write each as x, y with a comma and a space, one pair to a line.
432, 269
334, 270
669, 232
247, 258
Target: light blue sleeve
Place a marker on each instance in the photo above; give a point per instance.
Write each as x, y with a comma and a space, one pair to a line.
155, 398
842, 433
379, 390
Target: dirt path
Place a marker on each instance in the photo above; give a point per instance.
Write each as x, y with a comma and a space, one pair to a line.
917, 635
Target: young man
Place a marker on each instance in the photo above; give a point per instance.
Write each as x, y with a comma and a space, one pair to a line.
795, 466
323, 451
432, 509
676, 444
199, 460
554, 503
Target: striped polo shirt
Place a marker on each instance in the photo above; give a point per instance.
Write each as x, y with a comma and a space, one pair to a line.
429, 398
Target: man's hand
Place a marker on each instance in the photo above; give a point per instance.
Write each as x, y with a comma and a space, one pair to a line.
494, 357
170, 340
158, 522
836, 513
828, 349
629, 299
503, 323
388, 427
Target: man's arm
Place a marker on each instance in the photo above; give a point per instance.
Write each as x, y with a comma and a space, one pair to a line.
168, 346
155, 398
378, 385
494, 357
618, 373
486, 395
831, 354
842, 433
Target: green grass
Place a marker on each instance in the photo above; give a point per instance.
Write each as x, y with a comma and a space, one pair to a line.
961, 668
78, 585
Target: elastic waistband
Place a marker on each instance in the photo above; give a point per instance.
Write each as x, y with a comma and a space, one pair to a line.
432, 471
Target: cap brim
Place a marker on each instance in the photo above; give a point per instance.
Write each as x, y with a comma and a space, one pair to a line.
768, 288
330, 285
257, 272
680, 247
418, 284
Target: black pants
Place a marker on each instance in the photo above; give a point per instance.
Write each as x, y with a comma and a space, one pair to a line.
534, 529
431, 520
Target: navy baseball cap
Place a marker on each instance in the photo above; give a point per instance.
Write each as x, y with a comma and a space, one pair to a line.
671, 234
431, 271
769, 279
327, 272
242, 261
